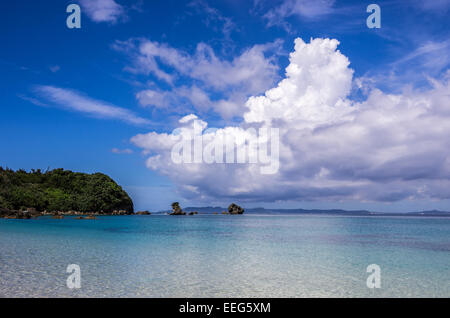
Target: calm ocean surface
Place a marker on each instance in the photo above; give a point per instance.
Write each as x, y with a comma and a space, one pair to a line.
226, 256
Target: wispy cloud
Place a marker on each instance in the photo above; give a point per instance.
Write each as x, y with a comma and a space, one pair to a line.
104, 10
214, 18
54, 68
306, 9
433, 56
441, 6
32, 100
208, 75
426, 61
75, 101
126, 151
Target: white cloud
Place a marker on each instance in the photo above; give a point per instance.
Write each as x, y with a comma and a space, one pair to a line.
196, 96
187, 119
103, 10
75, 101
249, 73
122, 151
309, 9
317, 81
54, 68
387, 148
158, 99
177, 96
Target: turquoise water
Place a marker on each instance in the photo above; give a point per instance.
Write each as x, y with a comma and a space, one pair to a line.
226, 256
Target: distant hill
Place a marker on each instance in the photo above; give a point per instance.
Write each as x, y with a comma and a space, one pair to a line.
61, 190
210, 209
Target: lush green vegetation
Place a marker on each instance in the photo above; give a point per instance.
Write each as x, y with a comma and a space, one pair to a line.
61, 190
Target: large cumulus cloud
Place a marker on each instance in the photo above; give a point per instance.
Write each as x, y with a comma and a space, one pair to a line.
386, 148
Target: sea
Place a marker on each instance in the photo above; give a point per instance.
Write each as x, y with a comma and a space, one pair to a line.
250, 255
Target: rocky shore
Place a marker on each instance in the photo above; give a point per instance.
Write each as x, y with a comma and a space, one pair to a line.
33, 213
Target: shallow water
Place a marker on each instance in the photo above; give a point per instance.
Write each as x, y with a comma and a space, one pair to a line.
226, 256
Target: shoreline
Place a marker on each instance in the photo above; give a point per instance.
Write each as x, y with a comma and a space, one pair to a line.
93, 216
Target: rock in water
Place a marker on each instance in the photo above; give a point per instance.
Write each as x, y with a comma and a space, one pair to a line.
143, 213
177, 209
235, 209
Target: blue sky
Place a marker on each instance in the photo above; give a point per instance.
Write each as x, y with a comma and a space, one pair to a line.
78, 98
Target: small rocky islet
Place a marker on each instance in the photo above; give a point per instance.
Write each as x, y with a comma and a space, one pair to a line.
233, 209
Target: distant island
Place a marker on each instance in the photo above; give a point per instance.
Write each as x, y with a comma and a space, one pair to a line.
280, 211
26, 194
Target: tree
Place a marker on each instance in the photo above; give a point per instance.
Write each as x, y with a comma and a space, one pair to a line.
61, 190
176, 209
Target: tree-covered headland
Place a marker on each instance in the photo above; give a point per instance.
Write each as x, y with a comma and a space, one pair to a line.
61, 190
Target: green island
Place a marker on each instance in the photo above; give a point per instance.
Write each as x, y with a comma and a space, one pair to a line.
60, 192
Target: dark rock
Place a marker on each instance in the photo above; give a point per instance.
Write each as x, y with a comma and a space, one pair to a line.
235, 209
32, 211
24, 215
14, 214
177, 209
6, 212
143, 213
120, 212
